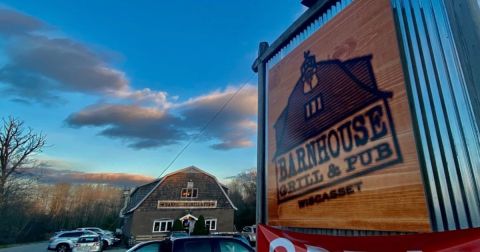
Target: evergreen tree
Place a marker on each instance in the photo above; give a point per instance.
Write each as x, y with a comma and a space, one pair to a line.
199, 228
177, 226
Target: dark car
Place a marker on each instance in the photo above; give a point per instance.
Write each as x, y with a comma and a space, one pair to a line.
194, 244
177, 234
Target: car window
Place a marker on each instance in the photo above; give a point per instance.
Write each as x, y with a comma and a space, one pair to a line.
152, 247
232, 246
96, 230
196, 245
72, 234
87, 239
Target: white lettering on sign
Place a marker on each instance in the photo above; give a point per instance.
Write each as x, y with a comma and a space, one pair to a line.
288, 246
281, 243
165, 204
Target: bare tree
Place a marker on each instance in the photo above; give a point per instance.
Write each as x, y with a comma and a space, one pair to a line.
17, 145
242, 190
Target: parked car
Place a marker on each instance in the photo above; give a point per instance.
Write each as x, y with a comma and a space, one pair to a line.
108, 239
97, 230
177, 234
66, 240
194, 244
235, 235
88, 243
242, 238
250, 232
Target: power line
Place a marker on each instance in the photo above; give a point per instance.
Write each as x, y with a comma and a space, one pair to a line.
206, 125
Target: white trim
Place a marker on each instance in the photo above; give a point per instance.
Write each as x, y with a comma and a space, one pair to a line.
187, 217
186, 204
166, 221
175, 172
210, 226
186, 188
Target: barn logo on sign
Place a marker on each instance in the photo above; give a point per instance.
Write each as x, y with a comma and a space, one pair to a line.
336, 127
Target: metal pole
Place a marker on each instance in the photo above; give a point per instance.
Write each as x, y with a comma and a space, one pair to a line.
261, 179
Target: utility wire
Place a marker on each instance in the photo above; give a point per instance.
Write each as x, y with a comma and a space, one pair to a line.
206, 125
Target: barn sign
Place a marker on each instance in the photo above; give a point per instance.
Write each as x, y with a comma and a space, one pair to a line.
341, 150
349, 140
173, 204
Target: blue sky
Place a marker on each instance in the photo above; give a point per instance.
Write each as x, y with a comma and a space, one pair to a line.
121, 86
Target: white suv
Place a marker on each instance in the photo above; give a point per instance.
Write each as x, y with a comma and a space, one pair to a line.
108, 238
65, 241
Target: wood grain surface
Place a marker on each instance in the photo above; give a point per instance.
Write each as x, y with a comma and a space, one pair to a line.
384, 195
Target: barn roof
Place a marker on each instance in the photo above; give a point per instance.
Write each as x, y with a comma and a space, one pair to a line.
142, 192
139, 194
344, 88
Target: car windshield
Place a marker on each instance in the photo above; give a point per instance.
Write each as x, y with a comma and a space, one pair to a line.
196, 245
150, 247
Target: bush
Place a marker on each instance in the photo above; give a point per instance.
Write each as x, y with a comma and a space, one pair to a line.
177, 225
199, 228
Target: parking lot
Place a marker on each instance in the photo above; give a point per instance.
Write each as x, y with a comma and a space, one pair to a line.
42, 246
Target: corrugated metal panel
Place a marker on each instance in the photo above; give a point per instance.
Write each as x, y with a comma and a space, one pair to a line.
447, 131
318, 23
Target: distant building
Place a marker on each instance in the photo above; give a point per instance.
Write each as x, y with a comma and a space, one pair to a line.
186, 194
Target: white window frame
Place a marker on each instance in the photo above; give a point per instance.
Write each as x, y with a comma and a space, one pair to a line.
210, 226
186, 197
166, 221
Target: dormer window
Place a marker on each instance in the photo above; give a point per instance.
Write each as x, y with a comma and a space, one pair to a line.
313, 107
189, 193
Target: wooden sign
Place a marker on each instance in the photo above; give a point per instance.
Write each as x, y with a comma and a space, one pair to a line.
173, 204
341, 149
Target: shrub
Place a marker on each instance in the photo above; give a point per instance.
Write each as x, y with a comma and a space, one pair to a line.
199, 228
177, 225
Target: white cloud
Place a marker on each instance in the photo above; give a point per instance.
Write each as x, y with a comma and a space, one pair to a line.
148, 127
42, 65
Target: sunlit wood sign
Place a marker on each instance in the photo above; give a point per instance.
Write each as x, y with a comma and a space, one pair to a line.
172, 204
341, 149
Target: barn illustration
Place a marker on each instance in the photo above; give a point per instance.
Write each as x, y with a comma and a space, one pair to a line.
326, 93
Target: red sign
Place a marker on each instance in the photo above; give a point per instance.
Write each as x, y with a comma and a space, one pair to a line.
275, 240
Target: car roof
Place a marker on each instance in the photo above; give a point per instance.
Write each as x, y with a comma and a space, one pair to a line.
145, 242
70, 231
88, 235
74, 231
205, 236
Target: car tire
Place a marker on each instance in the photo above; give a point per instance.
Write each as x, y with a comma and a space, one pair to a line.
62, 247
104, 245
